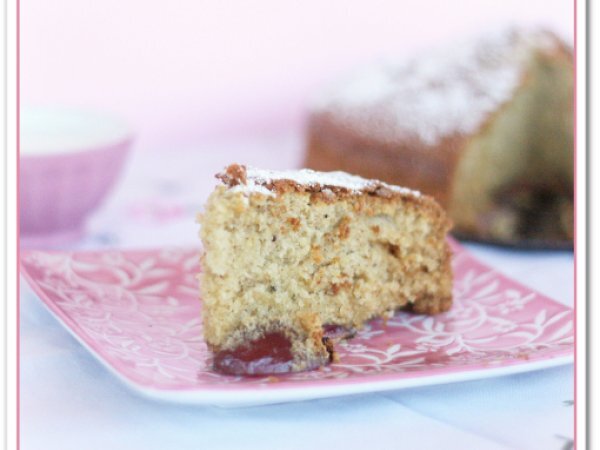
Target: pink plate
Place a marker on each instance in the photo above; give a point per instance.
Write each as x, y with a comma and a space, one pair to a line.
138, 312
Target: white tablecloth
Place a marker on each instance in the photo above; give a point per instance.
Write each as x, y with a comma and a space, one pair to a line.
70, 401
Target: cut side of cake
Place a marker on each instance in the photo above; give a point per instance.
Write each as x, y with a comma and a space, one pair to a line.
485, 126
295, 260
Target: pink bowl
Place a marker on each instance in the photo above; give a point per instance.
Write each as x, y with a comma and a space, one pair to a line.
69, 160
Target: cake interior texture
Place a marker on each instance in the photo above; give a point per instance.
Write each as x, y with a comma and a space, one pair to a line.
288, 264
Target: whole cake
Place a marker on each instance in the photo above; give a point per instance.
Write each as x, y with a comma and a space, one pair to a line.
486, 127
294, 260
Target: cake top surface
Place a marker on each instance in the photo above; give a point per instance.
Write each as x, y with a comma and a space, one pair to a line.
249, 180
440, 92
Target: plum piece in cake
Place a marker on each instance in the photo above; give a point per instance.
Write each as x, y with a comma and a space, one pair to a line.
294, 260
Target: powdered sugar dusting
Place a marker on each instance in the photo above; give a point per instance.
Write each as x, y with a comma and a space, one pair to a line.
252, 188
442, 92
257, 181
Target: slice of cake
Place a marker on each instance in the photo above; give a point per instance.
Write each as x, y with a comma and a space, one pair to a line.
294, 260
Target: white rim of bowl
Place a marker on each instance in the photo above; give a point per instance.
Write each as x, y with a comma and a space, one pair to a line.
48, 131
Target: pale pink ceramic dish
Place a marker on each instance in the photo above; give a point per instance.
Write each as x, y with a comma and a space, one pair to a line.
69, 160
138, 312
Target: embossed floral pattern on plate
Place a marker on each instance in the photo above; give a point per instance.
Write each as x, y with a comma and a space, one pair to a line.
139, 313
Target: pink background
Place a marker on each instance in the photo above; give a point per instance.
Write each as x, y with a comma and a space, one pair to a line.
188, 70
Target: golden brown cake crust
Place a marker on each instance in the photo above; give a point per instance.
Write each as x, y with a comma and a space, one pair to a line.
332, 189
332, 146
237, 175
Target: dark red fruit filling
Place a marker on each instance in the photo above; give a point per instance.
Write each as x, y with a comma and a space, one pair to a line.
272, 353
269, 354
